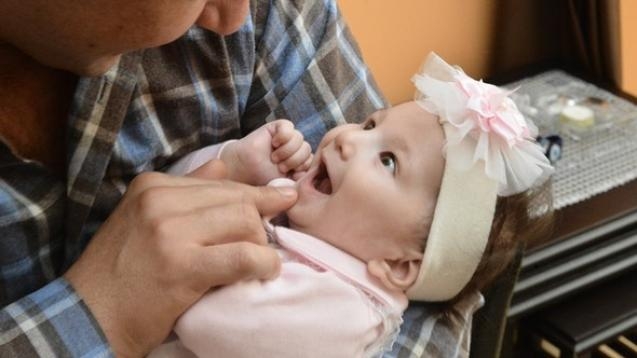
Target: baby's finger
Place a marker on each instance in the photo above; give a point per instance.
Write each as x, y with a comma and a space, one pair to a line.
302, 169
308, 163
288, 149
296, 176
283, 131
298, 161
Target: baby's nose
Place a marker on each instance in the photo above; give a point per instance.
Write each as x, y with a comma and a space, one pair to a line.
346, 143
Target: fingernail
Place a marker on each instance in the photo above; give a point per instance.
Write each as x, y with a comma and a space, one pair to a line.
287, 191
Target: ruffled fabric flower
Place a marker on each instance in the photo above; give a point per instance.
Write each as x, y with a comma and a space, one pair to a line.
482, 123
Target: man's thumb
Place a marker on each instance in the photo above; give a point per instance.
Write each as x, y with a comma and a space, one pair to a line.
273, 200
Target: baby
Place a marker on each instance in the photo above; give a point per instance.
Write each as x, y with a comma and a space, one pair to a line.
401, 206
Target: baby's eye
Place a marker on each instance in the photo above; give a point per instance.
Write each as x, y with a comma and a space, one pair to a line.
389, 161
369, 124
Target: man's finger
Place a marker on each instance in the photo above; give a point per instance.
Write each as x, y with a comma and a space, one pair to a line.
216, 195
224, 264
241, 222
202, 176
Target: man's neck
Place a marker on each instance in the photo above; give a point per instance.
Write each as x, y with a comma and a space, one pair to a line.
34, 102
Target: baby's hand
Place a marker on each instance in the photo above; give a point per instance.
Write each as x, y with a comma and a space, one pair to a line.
274, 150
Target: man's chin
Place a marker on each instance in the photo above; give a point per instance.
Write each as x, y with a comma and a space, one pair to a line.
96, 67
86, 67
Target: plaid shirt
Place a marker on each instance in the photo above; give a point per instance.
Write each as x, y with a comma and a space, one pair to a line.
292, 59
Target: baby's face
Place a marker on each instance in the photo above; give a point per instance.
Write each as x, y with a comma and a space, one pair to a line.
372, 187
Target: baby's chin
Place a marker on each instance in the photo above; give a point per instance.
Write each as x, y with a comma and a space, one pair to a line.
291, 216
300, 219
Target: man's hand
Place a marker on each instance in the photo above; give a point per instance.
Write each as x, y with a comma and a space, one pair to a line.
274, 150
169, 241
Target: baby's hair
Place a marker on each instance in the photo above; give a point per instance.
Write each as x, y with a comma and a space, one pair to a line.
519, 220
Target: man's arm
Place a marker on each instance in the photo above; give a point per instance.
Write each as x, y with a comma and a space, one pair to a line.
134, 279
41, 311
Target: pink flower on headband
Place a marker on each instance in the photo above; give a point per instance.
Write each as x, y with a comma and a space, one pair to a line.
482, 123
490, 108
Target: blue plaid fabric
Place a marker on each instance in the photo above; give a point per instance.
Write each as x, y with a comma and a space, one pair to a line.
292, 59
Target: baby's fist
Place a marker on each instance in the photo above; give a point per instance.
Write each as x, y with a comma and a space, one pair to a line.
290, 152
273, 150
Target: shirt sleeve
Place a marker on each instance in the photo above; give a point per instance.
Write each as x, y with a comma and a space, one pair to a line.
437, 330
51, 322
42, 315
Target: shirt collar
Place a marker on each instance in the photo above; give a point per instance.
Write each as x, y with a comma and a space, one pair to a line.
96, 116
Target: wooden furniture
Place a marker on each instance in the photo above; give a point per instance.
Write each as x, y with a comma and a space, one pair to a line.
593, 249
593, 245
600, 321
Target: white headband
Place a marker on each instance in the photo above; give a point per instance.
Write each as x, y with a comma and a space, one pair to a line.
489, 151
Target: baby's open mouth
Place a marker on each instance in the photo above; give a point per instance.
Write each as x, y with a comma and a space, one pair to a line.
321, 181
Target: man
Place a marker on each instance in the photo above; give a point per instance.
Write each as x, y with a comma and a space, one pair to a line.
136, 247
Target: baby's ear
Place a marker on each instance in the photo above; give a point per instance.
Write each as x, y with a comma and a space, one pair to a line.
395, 274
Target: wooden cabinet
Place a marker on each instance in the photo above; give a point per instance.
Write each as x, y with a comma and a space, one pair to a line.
577, 293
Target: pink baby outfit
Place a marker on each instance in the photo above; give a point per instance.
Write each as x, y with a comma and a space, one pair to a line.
323, 304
